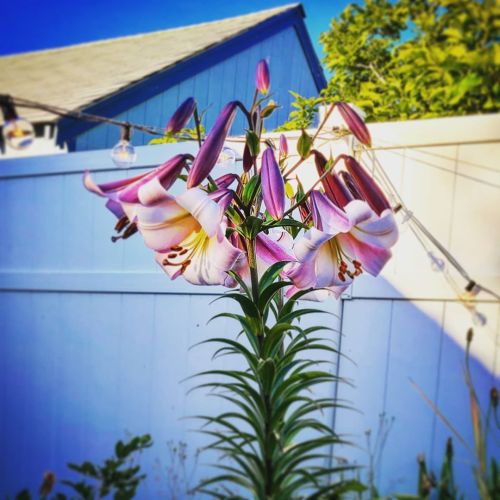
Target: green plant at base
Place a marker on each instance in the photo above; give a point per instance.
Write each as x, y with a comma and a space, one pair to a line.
270, 402
117, 476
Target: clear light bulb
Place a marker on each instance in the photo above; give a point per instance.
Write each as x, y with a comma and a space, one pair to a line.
18, 133
478, 318
123, 154
227, 158
437, 264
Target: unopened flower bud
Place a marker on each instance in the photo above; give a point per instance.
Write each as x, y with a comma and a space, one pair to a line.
470, 335
262, 78
494, 397
49, 480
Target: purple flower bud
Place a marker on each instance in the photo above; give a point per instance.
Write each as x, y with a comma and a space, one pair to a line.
283, 146
262, 79
334, 189
355, 123
210, 150
247, 159
351, 185
273, 186
367, 186
224, 181
181, 116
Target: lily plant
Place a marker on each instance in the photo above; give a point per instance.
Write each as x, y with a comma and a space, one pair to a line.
259, 233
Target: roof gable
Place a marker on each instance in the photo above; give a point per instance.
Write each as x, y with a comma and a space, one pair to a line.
78, 76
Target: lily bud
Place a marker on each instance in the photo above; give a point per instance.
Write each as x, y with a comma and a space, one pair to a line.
49, 480
210, 150
494, 397
262, 79
330, 183
181, 116
273, 186
470, 335
355, 123
247, 159
225, 180
283, 146
348, 181
367, 186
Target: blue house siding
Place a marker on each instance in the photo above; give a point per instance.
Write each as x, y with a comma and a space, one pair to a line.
232, 78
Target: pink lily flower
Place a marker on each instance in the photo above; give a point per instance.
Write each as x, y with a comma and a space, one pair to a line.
187, 233
341, 245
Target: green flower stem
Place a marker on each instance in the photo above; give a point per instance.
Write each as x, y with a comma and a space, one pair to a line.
254, 276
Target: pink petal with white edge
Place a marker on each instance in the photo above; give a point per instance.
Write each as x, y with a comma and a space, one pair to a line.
359, 211
152, 193
164, 225
210, 260
327, 267
206, 211
381, 231
372, 258
303, 274
326, 216
307, 246
107, 188
269, 249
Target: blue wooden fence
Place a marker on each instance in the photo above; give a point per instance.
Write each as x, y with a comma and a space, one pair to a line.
95, 341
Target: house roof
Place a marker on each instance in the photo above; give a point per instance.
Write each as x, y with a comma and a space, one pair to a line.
76, 76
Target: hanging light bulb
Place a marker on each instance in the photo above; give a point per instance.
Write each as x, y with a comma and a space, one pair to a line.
479, 319
123, 154
437, 264
18, 133
227, 158
356, 148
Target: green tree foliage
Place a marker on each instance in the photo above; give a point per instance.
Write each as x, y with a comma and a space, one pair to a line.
407, 59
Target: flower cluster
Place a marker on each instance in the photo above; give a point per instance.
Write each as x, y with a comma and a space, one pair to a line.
246, 221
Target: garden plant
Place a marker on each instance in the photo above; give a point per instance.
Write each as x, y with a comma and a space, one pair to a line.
258, 232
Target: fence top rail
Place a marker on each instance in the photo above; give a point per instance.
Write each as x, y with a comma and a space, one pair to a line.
99, 160
435, 132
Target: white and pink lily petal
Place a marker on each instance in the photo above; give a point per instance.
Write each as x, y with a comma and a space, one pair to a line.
200, 259
270, 249
188, 233
342, 245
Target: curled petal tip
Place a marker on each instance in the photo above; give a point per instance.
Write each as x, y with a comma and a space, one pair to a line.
262, 78
181, 116
210, 150
355, 123
273, 186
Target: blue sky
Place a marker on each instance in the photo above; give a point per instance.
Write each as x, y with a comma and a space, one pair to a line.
35, 24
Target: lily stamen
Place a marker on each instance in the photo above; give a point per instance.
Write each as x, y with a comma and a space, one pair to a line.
122, 223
